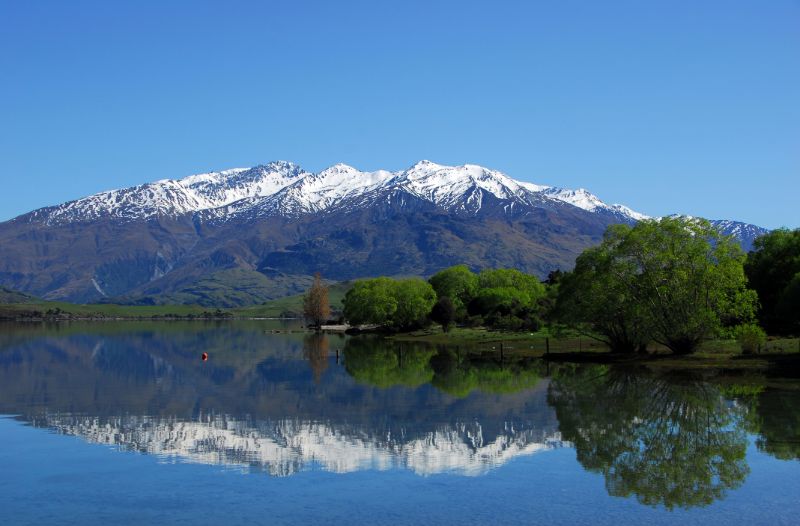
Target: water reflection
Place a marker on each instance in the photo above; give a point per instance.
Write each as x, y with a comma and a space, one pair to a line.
675, 442
450, 370
286, 447
282, 403
774, 415
315, 349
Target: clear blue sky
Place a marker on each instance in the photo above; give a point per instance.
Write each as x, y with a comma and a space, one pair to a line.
665, 106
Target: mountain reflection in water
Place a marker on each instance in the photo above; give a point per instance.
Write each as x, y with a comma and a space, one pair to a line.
287, 447
283, 403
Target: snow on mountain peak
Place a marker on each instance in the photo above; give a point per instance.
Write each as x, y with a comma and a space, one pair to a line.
284, 188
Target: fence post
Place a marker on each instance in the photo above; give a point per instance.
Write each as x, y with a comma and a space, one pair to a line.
547, 345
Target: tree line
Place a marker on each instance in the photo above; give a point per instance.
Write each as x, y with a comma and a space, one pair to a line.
674, 281
495, 298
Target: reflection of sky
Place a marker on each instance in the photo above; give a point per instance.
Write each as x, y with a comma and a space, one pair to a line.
285, 447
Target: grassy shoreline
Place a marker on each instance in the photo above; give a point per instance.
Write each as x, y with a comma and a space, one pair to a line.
778, 353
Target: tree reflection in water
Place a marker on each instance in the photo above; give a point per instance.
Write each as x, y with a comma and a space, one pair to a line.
315, 350
779, 424
449, 370
668, 442
774, 416
378, 363
459, 374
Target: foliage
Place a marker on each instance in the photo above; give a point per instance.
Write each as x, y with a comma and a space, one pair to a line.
458, 283
415, 299
370, 301
316, 306
401, 304
673, 280
750, 337
511, 278
444, 313
596, 299
508, 299
773, 270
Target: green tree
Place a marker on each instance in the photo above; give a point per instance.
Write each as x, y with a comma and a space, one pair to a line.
415, 299
370, 301
595, 299
458, 283
689, 278
400, 304
773, 270
509, 299
511, 278
675, 280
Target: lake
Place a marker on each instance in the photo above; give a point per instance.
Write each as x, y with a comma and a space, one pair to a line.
124, 423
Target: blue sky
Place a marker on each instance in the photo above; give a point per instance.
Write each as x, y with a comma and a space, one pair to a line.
665, 106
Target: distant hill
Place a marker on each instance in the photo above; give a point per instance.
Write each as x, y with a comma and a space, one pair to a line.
12, 296
250, 235
292, 306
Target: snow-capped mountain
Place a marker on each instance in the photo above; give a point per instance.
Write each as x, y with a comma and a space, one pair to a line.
284, 189
170, 197
243, 235
745, 233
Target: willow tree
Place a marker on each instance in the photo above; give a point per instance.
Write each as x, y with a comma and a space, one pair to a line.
596, 300
316, 306
688, 277
399, 304
459, 284
677, 280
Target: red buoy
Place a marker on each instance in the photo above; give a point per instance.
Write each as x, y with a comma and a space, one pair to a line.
205, 356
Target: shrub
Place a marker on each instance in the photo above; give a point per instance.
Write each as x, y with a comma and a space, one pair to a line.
750, 337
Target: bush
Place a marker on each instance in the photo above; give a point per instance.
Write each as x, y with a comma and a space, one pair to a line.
750, 337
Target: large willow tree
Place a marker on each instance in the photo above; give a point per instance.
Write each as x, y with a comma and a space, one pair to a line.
673, 280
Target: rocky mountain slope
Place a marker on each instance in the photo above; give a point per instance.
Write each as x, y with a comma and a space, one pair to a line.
199, 238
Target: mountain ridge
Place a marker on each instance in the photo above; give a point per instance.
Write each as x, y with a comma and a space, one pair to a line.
275, 224
284, 188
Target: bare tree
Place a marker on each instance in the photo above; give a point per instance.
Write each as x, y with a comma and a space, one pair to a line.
316, 306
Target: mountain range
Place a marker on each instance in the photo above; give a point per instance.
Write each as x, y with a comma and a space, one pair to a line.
245, 235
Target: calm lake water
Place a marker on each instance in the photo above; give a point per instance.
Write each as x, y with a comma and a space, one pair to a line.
123, 423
